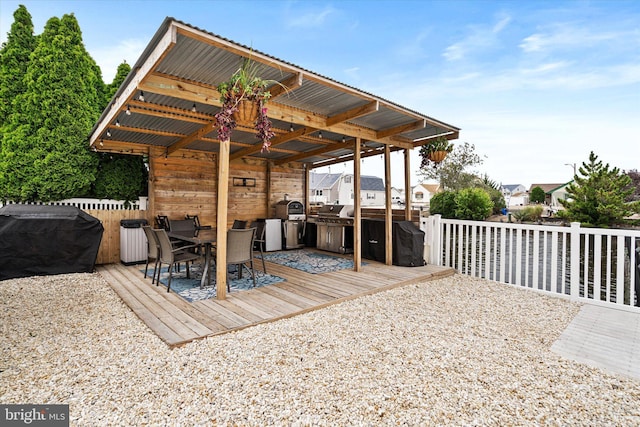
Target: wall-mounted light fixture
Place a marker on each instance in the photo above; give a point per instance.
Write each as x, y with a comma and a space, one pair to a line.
244, 182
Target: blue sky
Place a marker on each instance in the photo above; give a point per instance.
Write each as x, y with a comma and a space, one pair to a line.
534, 85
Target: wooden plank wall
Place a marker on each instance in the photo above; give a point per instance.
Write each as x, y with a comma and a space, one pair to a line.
186, 183
109, 251
183, 183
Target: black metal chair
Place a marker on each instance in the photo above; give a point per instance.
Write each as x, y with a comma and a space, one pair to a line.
259, 241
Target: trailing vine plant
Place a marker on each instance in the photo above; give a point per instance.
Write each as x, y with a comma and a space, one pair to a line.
245, 85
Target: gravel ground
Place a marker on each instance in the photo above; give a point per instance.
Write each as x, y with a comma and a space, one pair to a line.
456, 351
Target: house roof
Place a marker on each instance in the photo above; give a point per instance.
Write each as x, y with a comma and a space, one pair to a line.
371, 183
178, 73
431, 188
319, 181
511, 187
547, 188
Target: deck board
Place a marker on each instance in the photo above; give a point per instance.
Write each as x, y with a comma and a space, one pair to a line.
177, 321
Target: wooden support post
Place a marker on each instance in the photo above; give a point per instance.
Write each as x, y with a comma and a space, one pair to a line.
407, 184
307, 204
268, 201
221, 220
357, 214
388, 213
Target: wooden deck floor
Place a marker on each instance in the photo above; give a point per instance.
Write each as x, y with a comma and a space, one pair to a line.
177, 321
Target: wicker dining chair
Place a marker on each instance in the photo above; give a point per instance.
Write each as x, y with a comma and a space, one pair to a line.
153, 251
173, 256
240, 251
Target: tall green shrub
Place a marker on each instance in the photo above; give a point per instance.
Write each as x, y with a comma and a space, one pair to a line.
473, 204
45, 155
444, 204
14, 58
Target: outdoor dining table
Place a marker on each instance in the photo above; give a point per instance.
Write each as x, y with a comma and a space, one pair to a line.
205, 238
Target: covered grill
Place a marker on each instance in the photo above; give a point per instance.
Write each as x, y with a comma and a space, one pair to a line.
335, 228
291, 212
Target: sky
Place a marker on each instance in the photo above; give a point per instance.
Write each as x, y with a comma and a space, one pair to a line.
535, 86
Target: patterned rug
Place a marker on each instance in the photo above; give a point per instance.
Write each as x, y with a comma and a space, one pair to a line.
189, 289
308, 261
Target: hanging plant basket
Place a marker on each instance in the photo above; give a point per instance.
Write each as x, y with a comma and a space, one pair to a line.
437, 156
247, 112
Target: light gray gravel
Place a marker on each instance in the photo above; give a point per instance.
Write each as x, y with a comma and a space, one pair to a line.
456, 351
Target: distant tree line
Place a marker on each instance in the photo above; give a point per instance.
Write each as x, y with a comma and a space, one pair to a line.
598, 196
51, 95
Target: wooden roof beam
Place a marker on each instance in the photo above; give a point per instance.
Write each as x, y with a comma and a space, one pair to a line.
280, 139
362, 110
286, 85
198, 134
408, 127
196, 92
425, 141
316, 152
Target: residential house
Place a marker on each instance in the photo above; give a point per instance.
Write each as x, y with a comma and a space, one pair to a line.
329, 188
515, 194
421, 194
553, 193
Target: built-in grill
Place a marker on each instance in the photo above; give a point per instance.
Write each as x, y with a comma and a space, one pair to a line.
291, 212
335, 228
335, 214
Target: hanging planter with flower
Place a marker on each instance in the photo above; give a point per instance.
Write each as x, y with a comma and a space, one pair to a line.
435, 152
243, 99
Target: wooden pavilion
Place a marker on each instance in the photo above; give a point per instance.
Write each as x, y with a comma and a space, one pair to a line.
165, 110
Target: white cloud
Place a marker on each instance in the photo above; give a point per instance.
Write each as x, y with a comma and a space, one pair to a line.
480, 39
311, 19
568, 36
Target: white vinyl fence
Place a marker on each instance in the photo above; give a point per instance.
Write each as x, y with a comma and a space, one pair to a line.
594, 265
94, 204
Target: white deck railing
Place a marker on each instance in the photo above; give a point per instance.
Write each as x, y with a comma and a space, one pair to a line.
95, 204
603, 269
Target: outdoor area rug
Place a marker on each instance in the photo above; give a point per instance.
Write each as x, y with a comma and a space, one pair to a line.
189, 289
309, 262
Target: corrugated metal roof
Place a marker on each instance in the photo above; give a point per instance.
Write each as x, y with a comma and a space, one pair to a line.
180, 69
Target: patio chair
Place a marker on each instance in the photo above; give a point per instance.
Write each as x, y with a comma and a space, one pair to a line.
239, 224
259, 241
153, 250
173, 256
196, 220
182, 225
162, 221
240, 251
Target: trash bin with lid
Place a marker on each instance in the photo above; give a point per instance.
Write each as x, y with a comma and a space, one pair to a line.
133, 242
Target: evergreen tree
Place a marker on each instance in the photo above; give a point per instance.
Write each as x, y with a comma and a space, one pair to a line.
14, 57
45, 155
597, 195
537, 195
121, 74
120, 176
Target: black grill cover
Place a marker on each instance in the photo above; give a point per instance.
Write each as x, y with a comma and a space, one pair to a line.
408, 242
40, 240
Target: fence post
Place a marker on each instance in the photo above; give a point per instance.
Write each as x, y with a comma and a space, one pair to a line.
574, 261
434, 240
